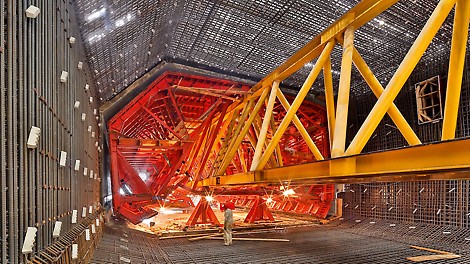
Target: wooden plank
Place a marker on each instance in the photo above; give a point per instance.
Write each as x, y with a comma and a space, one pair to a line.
254, 239
433, 257
431, 250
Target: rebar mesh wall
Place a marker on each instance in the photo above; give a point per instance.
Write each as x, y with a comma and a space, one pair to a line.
444, 203
433, 202
35, 190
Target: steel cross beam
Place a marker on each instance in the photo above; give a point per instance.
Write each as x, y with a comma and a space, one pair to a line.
424, 162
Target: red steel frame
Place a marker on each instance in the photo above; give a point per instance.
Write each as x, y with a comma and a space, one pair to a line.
169, 134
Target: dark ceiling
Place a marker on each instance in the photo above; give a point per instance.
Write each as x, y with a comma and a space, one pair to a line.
125, 39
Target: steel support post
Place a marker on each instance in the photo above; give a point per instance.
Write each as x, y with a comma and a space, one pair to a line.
401, 75
264, 127
456, 67
329, 100
296, 104
342, 106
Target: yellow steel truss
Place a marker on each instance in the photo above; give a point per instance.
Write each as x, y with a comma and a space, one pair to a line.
416, 162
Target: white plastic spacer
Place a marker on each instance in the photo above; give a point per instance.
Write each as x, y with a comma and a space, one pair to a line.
74, 216
63, 76
29, 240
74, 251
85, 171
80, 65
87, 234
33, 138
77, 104
63, 158
84, 211
83, 116
32, 11
57, 228
72, 40
77, 165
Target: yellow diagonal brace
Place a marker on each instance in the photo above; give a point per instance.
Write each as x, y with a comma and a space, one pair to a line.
401, 75
377, 89
330, 99
297, 102
264, 127
341, 123
244, 131
456, 66
311, 145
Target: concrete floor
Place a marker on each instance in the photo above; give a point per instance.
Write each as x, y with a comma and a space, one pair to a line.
343, 243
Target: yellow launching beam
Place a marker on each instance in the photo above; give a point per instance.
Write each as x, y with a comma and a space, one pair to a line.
424, 162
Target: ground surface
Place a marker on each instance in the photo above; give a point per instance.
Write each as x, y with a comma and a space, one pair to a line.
345, 242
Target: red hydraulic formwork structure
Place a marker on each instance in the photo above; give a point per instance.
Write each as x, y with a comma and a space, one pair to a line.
169, 137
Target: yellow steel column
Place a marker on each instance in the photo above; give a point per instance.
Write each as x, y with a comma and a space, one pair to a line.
246, 127
264, 126
341, 123
296, 104
280, 162
401, 75
330, 99
308, 140
377, 89
456, 66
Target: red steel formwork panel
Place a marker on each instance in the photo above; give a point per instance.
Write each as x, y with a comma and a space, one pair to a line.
169, 136
152, 136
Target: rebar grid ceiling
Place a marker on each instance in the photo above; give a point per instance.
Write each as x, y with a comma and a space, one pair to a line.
124, 39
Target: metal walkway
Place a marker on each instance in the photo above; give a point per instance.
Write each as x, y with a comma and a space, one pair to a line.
344, 243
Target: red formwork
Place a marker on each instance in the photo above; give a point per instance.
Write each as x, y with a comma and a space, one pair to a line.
166, 137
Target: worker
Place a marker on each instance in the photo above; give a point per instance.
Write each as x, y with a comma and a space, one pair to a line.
228, 222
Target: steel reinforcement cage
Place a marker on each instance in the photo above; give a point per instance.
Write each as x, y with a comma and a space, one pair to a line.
36, 191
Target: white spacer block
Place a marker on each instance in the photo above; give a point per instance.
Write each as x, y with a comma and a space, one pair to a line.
85, 171
32, 11
33, 138
92, 134
91, 174
97, 222
63, 76
74, 216
96, 176
93, 228
96, 144
87, 87
80, 65
90, 209
63, 158
72, 40
89, 129
57, 228
77, 165
29, 240
87, 234
74, 251
84, 211
95, 112
91, 99
125, 260
83, 117
76, 105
